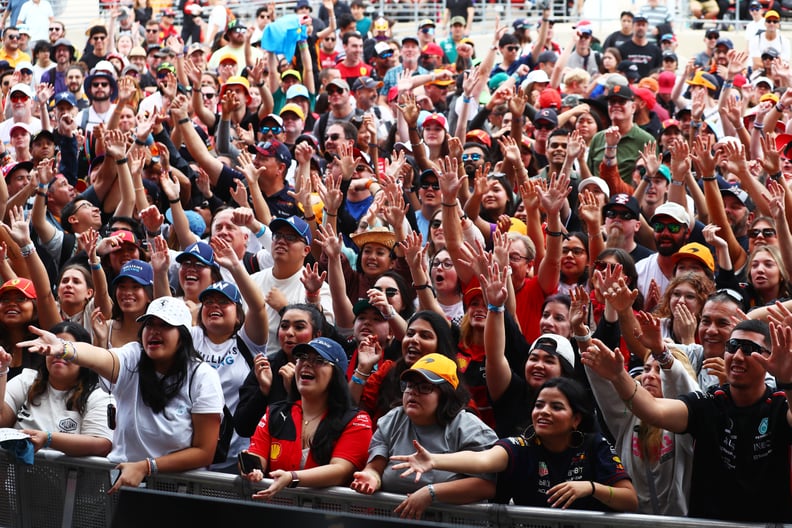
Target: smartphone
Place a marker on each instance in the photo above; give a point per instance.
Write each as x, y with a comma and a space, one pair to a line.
248, 462
114, 474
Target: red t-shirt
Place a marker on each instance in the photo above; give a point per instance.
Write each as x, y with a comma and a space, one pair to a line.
359, 70
529, 302
327, 60
286, 454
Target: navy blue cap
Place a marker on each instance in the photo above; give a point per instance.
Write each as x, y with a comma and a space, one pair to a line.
296, 224
224, 287
327, 348
272, 149
200, 251
137, 270
67, 97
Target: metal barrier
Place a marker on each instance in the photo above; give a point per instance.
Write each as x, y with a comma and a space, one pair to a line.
60, 491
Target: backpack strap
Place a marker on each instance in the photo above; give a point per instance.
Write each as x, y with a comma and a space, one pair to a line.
245, 351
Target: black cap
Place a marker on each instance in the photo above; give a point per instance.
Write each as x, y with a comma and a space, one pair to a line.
622, 92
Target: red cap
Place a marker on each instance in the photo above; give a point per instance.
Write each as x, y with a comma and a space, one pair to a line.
479, 136
432, 49
666, 81
550, 98
21, 284
646, 96
435, 118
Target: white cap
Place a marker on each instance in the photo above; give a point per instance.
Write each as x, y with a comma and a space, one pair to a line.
24, 88
675, 211
536, 76
767, 80
562, 348
595, 180
23, 65
170, 310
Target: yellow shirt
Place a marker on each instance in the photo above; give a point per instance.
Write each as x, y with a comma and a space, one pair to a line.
12, 61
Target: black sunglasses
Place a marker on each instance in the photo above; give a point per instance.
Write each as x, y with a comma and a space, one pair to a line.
624, 215
748, 347
435, 186
767, 232
389, 292
436, 224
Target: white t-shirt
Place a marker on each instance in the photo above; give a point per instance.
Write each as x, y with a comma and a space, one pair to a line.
49, 412
759, 43
37, 17
141, 432
94, 118
292, 288
217, 20
5, 128
648, 269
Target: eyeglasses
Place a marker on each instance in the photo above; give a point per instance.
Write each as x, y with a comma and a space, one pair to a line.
471, 157
84, 204
194, 264
288, 237
310, 359
12, 37
557, 145
389, 292
624, 215
162, 74
673, 227
217, 300
152, 30
516, 258
208, 95
713, 37
334, 91
576, 251
275, 130
334, 137
767, 232
362, 168
445, 264
435, 186
748, 347
584, 36
436, 224
13, 299
100, 84
330, 39
512, 48
420, 388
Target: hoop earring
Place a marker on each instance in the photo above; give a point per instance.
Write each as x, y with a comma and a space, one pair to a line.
529, 433
577, 435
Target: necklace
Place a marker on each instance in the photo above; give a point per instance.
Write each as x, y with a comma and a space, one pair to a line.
306, 422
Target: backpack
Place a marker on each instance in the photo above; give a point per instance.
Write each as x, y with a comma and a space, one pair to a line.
227, 425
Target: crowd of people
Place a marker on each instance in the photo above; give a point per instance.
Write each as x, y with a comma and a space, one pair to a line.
356, 262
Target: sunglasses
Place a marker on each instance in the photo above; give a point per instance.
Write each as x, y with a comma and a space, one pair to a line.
435, 186
471, 157
748, 347
330, 39
624, 215
100, 85
389, 292
386, 55
55, 29
19, 97
162, 74
152, 30
772, 21
556, 145
334, 91
206, 95
428, 30
601, 265
576, 251
334, 137
544, 126
767, 232
436, 224
673, 227
275, 130
512, 48
99, 37
12, 37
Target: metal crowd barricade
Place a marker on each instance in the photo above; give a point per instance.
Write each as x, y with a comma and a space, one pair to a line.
62, 492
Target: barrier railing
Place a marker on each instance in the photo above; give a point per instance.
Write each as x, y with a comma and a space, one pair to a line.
60, 491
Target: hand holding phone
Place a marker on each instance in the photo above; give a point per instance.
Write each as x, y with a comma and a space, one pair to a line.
249, 462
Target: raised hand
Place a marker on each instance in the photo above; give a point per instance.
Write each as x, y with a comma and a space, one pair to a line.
553, 198
312, 279
494, 285
579, 306
19, 228
224, 254
702, 155
603, 361
408, 108
649, 157
160, 256
649, 332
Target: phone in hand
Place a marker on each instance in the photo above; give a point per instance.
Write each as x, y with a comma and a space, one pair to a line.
114, 474
248, 462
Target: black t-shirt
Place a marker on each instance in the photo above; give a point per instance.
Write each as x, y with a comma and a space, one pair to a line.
647, 57
616, 39
640, 252
458, 7
741, 462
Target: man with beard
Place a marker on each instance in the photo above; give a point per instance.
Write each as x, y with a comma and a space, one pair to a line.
74, 85
62, 53
21, 100
639, 50
383, 60
437, 91
474, 156
364, 90
101, 88
341, 109
622, 222
670, 224
410, 52
328, 52
735, 202
236, 46
10, 51
65, 138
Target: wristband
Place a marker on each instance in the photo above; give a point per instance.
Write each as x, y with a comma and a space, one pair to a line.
432, 493
369, 184
121, 161
141, 143
373, 145
758, 126
97, 266
695, 124
678, 183
495, 308
555, 233
390, 315
586, 337
261, 231
27, 250
295, 480
728, 84
422, 286
467, 99
152, 234
4, 371
49, 440
708, 178
39, 193
183, 120
607, 147
359, 373
593, 489
664, 359
448, 205
44, 186
153, 469
784, 386
175, 200
358, 381
775, 176
780, 106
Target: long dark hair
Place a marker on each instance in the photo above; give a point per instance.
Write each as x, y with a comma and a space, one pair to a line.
578, 398
451, 401
407, 294
156, 391
87, 379
584, 277
390, 389
329, 430
628, 268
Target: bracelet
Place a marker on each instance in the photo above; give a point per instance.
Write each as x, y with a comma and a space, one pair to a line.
141, 143
373, 145
593, 489
121, 161
369, 184
678, 183
4, 371
357, 381
175, 200
327, 213
495, 308
448, 205
312, 296
183, 120
27, 250
49, 440
783, 386
467, 99
665, 359
422, 286
66, 355
432, 493
153, 469
140, 189
728, 84
708, 178
555, 233
295, 480
586, 337
97, 266
780, 106
309, 218
152, 234
390, 315
758, 126
695, 124
44, 186
775, 176
39, 193
261, 231
358, 372
628, 403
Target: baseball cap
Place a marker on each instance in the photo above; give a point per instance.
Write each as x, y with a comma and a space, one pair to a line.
427, 22
645, 95
294, 108
327, 349
701, 79
24, 65
436, 369
200, 251
673, 210
169, 310
772, 14
550, 98
139, 271
629, 69
439, 119
228, 57
297, 90
272, 118
381, 47
556, 345
296, 224
547, 56
725, 42
668, 37
712, 33
666, 82
771, 52
737, 193
479, 136
595, 180
137, 51
20, 284
11, 167
293, 73
226, 288
66, 97
24, 88
546, 115
272, 149
695, 251
640, 18
432, 49
521, 23
340, 83
671, 123
622, 92
458, 20
623, 200
366, 82
670, 56
757, 81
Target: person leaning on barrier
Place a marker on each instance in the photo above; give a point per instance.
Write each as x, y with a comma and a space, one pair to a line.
169, 401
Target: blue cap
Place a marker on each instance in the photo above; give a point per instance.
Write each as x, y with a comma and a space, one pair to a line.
137, 270
224, 287
303, 3
328, 349
295, 223
65, 97
196, 221
272, 149
199, 251
297, 90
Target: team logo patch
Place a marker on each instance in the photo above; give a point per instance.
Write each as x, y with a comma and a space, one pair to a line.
275, 451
